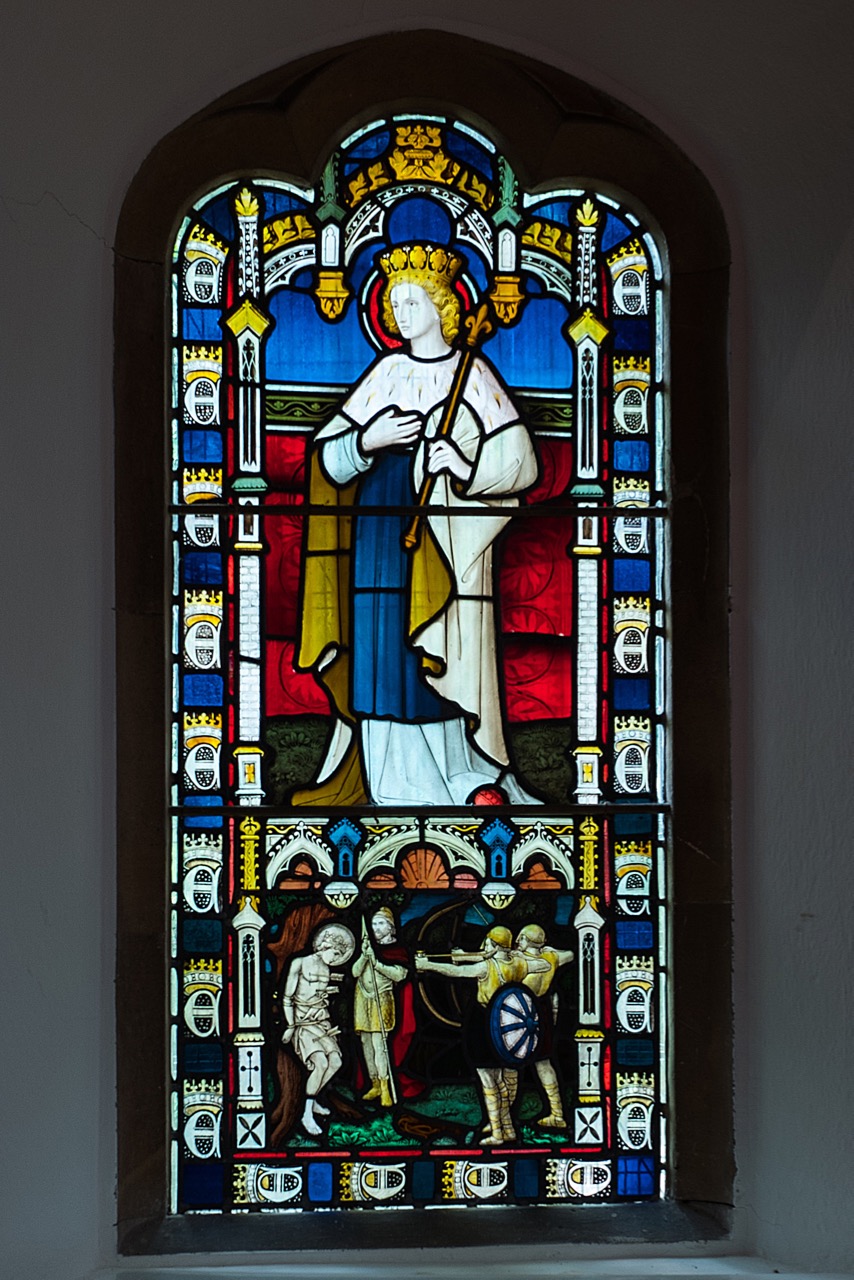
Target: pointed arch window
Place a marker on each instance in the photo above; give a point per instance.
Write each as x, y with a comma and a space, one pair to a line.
420, 519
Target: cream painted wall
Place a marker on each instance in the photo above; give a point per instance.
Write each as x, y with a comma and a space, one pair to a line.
759, 94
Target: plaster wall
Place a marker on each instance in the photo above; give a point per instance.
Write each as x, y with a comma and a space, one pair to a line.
759, 96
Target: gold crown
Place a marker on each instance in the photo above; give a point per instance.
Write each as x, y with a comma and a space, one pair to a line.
202, 243
633, 971
202, 975
631, 492
411, 262
204, 720
241, 1184
631, 369
448, 1180
203, 354
631, 609
632, 729
636, 1087
203, 602
628, 854
202, 1095
629, 255
202, 843
202, 483
204, 966
204, 728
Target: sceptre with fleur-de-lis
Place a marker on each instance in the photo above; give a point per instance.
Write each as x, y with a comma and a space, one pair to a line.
478, 327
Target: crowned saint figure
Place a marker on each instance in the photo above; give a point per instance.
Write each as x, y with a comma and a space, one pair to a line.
403, 637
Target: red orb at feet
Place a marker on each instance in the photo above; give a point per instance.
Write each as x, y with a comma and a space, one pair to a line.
488, 795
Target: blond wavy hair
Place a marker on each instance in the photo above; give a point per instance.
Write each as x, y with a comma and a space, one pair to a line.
444, 299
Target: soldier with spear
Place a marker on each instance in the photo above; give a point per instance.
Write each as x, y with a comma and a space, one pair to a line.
380, 965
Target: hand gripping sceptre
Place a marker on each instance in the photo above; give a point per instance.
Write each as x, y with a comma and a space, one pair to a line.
478, 326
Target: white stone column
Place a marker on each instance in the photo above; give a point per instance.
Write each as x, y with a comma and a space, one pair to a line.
587, 650
249, 323
588, 924
249, 1040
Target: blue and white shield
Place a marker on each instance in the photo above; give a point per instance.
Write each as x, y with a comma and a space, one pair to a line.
514, 1024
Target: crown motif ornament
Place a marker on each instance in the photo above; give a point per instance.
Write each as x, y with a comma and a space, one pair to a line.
635, 1088
418, 153
203, 720
203, 973
635, 971
630, 610
628, 255
202, 484
413, 262
630, 856
632, 729
205, 966
202, 243
202, 1095
631, 371
205, 727
202, 606
198, 359
630, 492
203, 845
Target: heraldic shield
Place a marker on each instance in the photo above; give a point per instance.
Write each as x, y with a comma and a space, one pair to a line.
514, 1024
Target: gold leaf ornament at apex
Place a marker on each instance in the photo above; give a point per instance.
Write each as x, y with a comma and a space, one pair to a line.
246, 204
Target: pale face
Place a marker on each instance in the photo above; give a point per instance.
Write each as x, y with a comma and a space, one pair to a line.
382, 928
415, 314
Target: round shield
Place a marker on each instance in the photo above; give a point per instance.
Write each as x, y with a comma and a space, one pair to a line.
514, 1024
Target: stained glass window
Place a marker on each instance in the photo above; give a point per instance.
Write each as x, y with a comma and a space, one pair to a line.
420, 699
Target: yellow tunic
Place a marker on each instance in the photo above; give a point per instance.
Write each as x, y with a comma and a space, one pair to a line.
498, 974
540, 981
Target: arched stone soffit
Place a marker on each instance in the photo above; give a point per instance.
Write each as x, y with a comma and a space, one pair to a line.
549, 124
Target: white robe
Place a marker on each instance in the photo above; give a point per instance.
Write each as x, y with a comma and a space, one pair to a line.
441, 763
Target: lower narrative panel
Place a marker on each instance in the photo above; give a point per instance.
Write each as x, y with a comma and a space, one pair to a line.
412, 1011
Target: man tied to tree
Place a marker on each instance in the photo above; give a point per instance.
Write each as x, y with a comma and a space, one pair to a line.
495, 967
380, 965
305, 1006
